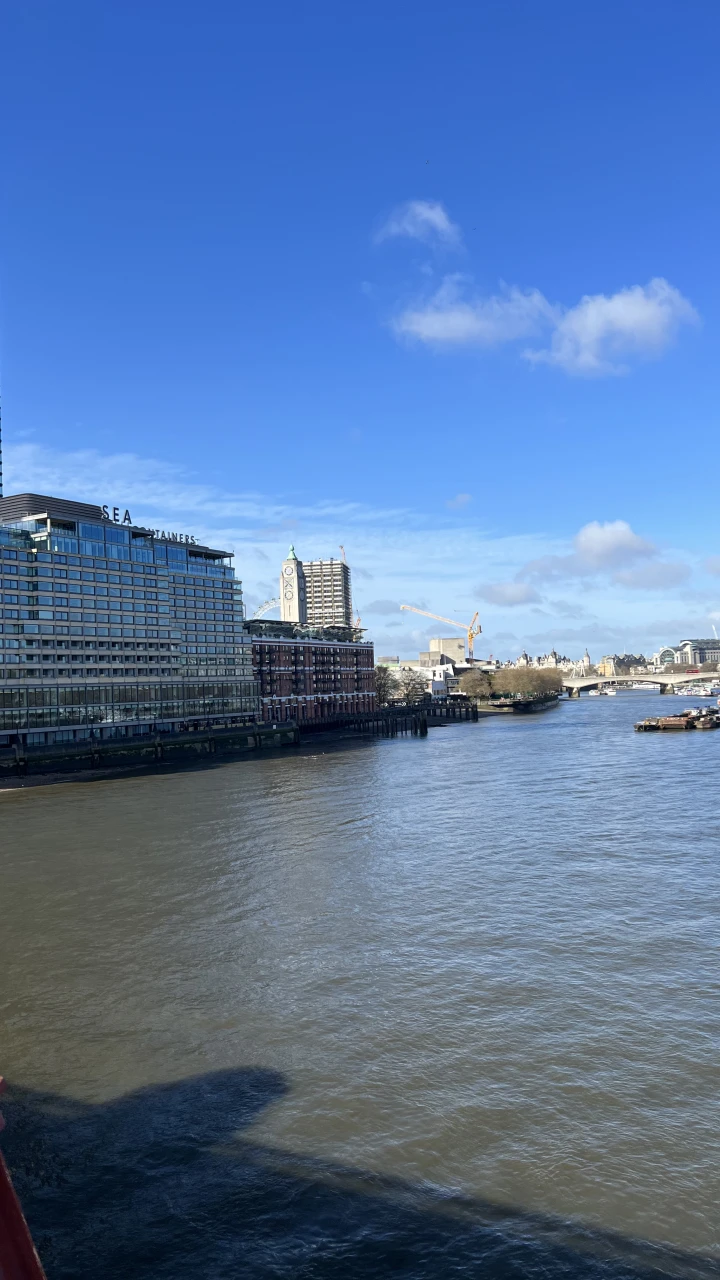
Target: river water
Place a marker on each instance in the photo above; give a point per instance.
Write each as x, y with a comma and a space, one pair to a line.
426, 1008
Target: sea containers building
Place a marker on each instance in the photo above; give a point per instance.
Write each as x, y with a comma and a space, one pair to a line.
109, 629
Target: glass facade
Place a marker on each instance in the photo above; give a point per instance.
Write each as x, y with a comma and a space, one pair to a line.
107, 628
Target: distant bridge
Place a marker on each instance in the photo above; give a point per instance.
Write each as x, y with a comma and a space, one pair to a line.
577, 684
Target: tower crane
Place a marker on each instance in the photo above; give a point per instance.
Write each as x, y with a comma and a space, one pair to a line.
471, 630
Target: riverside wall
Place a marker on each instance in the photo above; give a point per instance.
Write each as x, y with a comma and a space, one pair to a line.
152, 750
142, 751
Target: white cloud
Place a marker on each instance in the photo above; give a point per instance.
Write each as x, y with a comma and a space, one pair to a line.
611, 544
611, 549
449, 319
654, 577
508, 593
459, 501
590, 337
713, 566
598, 548
424, 220
159, 490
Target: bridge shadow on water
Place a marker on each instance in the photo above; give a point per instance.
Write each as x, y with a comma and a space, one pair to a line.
161, 1183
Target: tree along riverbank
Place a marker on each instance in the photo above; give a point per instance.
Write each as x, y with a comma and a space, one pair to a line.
511, 688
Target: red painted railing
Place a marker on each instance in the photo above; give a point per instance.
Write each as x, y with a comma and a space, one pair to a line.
18, 1258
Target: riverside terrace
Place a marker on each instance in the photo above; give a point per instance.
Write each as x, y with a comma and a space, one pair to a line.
107, 629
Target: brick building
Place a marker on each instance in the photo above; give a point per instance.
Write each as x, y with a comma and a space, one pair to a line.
308, 678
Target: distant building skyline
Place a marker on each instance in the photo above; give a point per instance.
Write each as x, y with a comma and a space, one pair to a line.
690, 652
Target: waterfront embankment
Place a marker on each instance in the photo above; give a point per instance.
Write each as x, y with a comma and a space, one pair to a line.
96, 757
145, 751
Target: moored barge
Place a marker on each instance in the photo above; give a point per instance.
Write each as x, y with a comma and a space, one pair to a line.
697, 718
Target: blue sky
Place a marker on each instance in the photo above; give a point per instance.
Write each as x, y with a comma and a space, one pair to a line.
437, 282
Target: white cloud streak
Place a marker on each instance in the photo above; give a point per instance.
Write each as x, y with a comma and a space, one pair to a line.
424, 220
410, 555
655, 577
591, 339
509, 594
450, 319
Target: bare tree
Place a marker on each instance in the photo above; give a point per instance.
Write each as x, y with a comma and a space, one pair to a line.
476, 684
386, 685
413, 686
527, 681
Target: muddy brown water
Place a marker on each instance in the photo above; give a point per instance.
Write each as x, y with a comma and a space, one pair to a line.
429, 1008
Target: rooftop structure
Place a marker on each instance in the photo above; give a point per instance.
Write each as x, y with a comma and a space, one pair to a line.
444, 649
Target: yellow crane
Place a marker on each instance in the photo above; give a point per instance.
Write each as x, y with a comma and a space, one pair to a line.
471, 629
